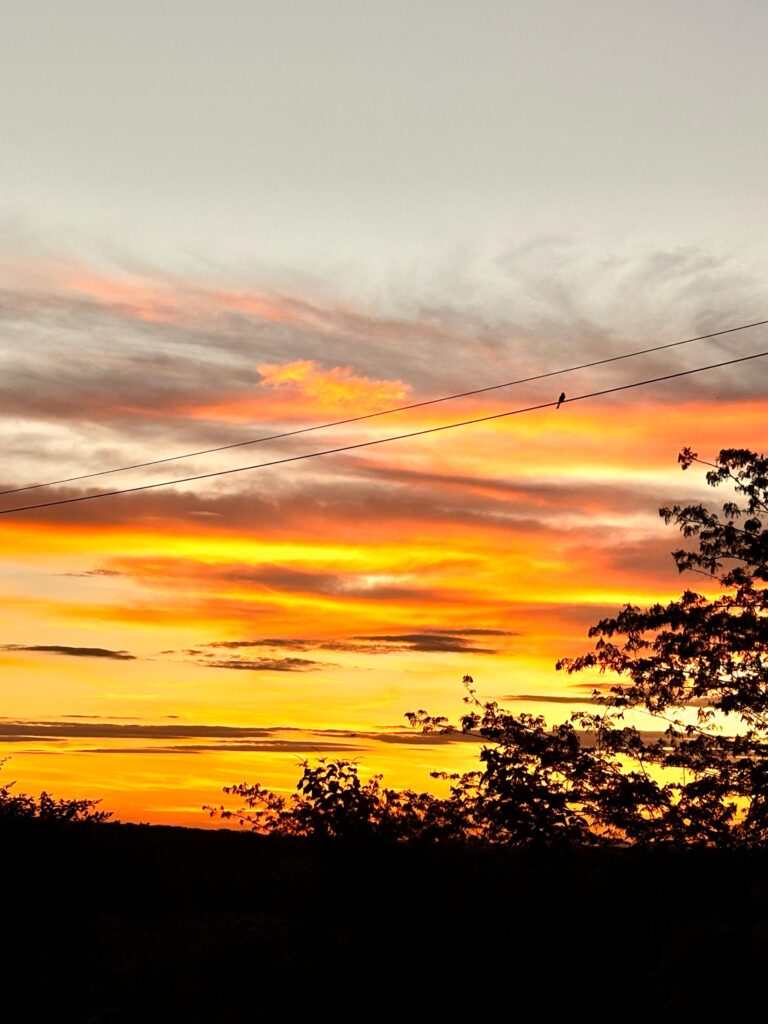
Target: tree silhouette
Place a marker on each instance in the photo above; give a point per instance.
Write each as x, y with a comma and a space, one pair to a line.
706, 654
695, 669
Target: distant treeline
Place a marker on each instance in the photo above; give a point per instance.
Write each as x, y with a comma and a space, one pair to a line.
120, 924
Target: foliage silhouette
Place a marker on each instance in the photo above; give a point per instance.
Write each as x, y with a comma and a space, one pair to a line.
332, 802
23, 807
696, 669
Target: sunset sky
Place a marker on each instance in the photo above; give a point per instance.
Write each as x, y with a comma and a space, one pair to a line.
223, 221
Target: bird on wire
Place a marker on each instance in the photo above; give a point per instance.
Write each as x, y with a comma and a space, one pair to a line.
560, 400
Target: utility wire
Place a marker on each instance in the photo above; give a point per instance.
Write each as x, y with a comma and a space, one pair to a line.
383, 440
387, 412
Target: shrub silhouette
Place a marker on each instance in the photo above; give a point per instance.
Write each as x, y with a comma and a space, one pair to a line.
332, 802
695, 668
22, 806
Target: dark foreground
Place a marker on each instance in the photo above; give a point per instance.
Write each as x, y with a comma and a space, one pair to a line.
119, 923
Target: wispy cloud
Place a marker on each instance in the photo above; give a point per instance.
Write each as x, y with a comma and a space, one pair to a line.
200, 738
266, 664
291, 643
546, 698
426, 643
73, 652
436, 641
93, 572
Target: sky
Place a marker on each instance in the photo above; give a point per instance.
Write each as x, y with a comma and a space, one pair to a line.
225, 221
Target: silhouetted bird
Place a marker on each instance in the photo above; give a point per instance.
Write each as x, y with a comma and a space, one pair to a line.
560, 400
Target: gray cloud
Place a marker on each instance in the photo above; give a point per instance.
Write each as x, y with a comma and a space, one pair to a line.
199, 738
276, 577
281, 509
290, 644
275, 746
477, 632
74, 652
434, 641
111, 729
116, 718
93, 572
545, 698
426, 739
651, 556
534, 499
429, 643
267, 664
602, 688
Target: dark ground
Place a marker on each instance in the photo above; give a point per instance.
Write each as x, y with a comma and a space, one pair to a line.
118, 923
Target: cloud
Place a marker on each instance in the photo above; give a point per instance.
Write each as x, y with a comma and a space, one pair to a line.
280, 509
267, 664
427, 739
114, 718
546, 698
275, 746
111, 729
337, 388
93, 572
536, 498
282, 578
427, 643
290, 644
436, 641
73, 652
479, 632
603, 688
198, 738
200, 343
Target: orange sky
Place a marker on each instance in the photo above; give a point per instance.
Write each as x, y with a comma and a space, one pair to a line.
331, 594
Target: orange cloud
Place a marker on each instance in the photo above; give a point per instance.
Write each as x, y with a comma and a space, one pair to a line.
338, 387
136, 300
172, 300
302, 389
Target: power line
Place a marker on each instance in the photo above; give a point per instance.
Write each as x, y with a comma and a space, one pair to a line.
386, 412
382, 440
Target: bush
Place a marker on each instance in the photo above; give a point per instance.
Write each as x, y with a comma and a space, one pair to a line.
23, 807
